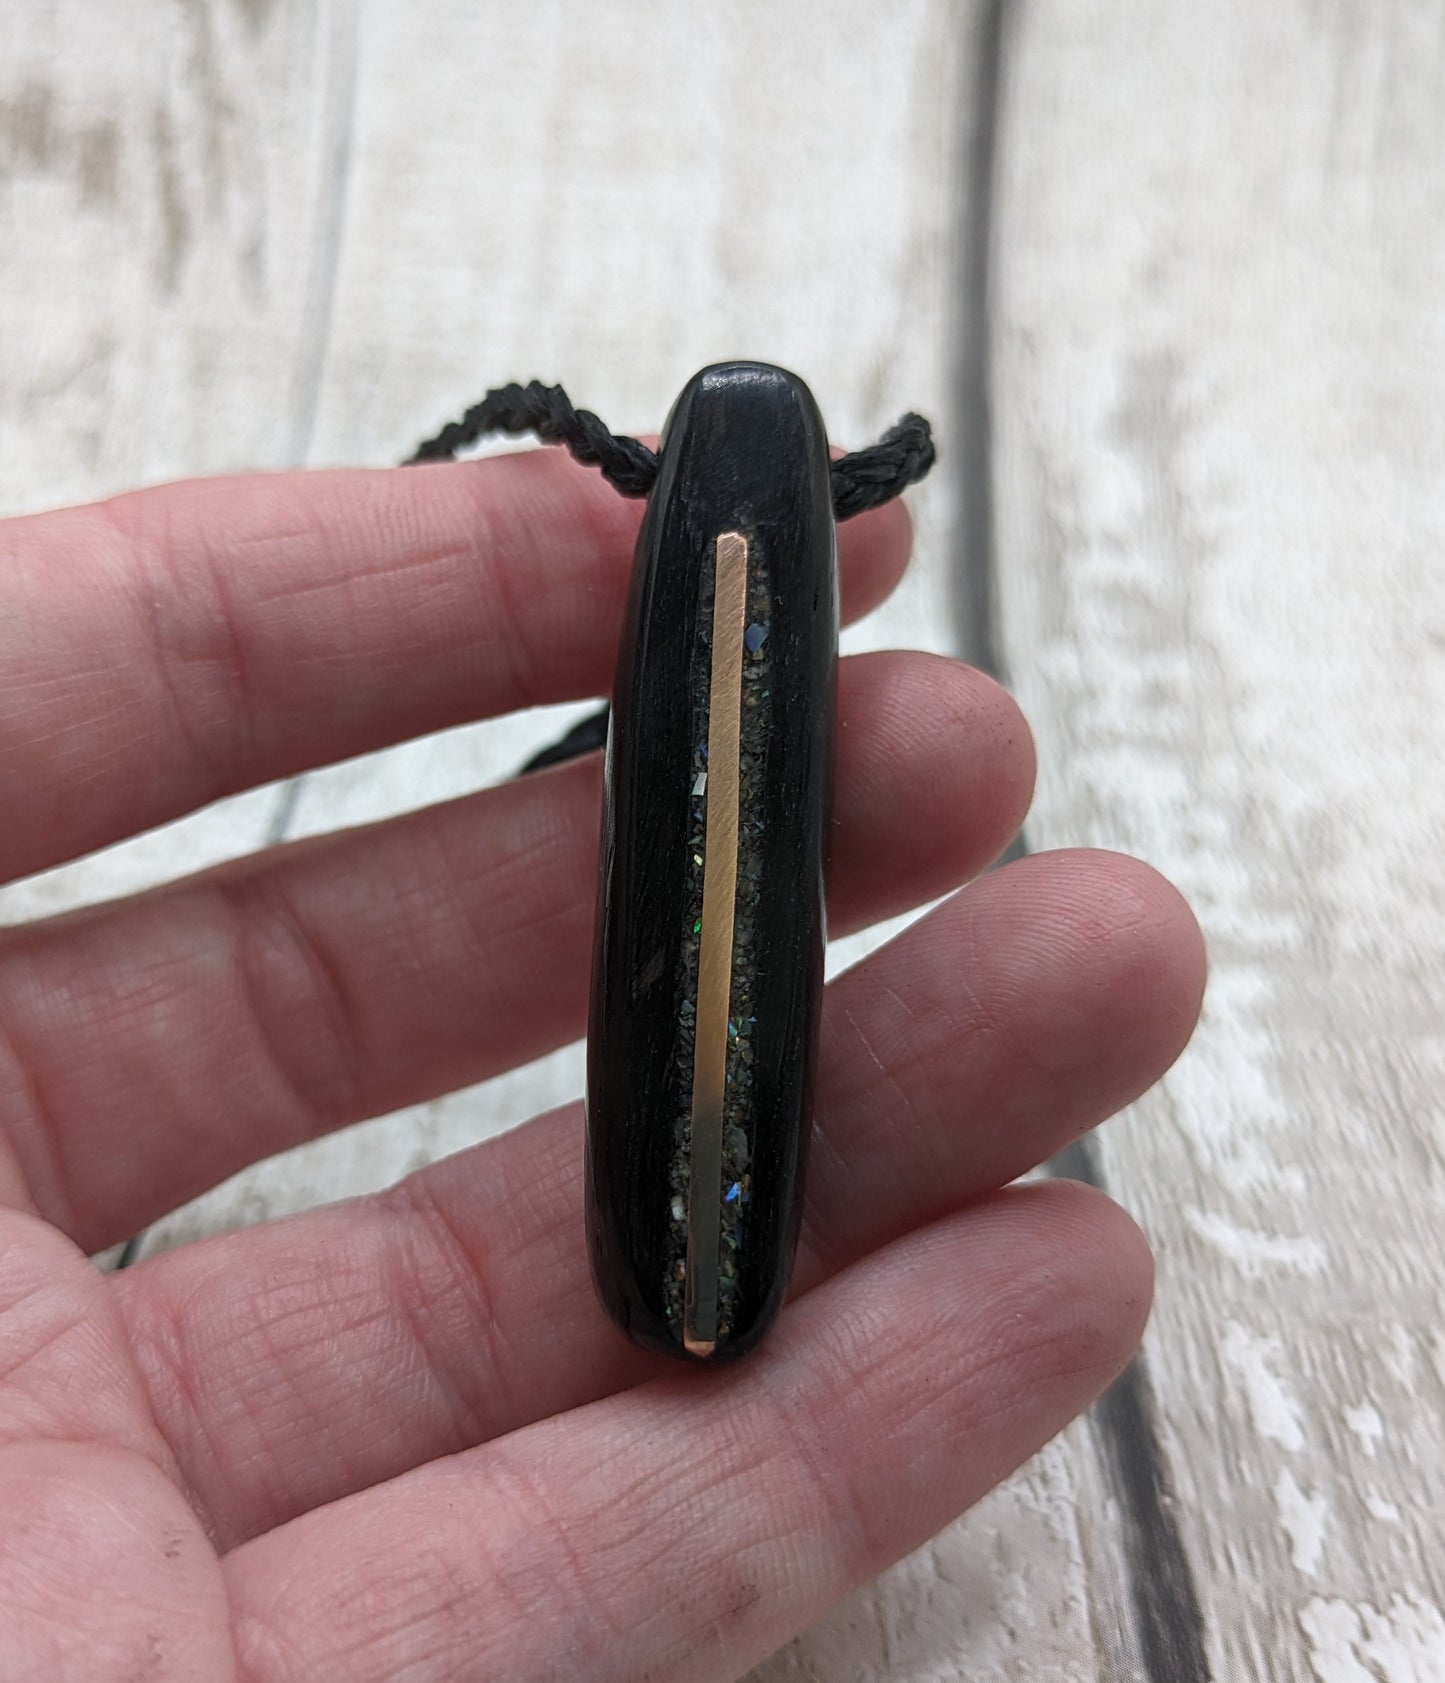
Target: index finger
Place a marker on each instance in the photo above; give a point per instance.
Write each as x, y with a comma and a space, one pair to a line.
174, 645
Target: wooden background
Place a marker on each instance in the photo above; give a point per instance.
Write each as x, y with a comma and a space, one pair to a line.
1172, 280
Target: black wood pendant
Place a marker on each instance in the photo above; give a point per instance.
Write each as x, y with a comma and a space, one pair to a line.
708, 972
708, 969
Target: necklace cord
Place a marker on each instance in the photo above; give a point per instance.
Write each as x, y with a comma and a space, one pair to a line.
863, 480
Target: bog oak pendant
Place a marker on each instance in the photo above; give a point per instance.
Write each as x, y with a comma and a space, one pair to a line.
708, 969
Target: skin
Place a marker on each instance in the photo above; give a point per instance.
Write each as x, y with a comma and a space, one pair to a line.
395, 1439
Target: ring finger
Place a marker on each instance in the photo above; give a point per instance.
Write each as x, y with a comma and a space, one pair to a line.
298, 1361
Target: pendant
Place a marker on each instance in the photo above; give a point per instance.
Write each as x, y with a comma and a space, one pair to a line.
708, 965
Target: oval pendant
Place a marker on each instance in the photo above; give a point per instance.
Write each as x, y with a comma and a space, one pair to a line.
708, 967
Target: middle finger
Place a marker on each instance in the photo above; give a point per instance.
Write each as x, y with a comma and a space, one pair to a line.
152, 1049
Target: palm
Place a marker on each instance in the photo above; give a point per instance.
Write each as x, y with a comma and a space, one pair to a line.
395, 1438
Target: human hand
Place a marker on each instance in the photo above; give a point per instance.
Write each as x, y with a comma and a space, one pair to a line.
395, 1438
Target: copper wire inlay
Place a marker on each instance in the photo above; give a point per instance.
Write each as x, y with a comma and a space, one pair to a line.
715, 948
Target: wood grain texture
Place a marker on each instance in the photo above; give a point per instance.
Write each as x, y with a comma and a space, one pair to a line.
167, 193
1217, 386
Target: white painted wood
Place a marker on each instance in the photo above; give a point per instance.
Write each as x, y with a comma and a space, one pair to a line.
1220, 430
165, 194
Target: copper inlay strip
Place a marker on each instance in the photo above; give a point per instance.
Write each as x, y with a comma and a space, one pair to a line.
715, 946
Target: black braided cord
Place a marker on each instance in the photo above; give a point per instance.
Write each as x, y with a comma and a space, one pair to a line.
866, 479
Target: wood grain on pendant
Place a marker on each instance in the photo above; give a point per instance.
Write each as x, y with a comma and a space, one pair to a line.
707, 979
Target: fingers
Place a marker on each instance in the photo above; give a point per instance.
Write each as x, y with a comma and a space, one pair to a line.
297, 1362
1028, 1010
155, 1049
65, 1367
104, 1568
173, 645
688, 1528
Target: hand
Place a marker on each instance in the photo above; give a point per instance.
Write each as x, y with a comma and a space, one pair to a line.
395, 1438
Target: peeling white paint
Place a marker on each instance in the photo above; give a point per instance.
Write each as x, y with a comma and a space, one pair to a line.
1396, 1350
1272, 1406
1379, 1508
1366, 1424
1359, 1643
1253, 1251
1303, 1516
1437, 1354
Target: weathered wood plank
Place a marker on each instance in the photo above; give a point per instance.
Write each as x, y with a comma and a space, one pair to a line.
1220, 515
166, 184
